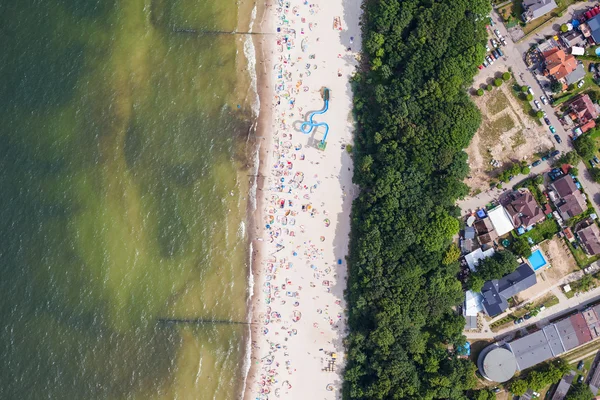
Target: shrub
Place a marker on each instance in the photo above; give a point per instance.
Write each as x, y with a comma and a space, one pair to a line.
479, 92
556, 87
539, 114
529, 97
564, 28
488, 87
506, 76
524, 89
497, 82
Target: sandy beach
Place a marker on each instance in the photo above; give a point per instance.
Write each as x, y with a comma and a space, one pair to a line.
304, 197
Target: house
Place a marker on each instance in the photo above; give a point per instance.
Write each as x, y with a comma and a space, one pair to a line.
486, 232
572, 39
582, 110
593, 378
563, 386
497, 291
590, 239
524, 210
573, 331
575, 76
473, 306
593, 27
569, 200
501, 220
587, 126
558, 64
536, 8
474, 257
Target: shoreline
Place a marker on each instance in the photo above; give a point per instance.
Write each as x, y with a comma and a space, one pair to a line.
270, 372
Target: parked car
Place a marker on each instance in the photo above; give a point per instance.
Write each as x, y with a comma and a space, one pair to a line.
580, 365
480, 66
580, 379
500, 52
492, 23
485, 63
593, 163
581, 83
552, 129
592, 67
536, 163
503, 41
544, 158
558, 139
492, 56
537, 104
489, 60
596, 159
530, 90
496, 390
487, 48
496, 54
518, 321
554, 153
544, 99
547, 121
494, 43
527, 316
497, 32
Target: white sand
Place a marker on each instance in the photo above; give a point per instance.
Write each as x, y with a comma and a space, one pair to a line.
296, 268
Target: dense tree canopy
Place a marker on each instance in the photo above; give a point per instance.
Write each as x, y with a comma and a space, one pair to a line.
414, 118
579, 391
585, 146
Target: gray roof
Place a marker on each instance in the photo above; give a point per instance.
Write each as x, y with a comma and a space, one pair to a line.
567, 334
497, 292
499, 365
536, 347
594, 24
537, 8
576, 75
469, 232
470, 321
563, 386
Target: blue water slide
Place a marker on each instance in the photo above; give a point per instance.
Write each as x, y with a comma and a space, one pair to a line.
308, 126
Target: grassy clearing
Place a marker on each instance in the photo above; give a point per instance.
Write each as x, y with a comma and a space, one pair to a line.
497, 102
518, 139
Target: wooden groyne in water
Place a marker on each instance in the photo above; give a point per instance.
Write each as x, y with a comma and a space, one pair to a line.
192, 31
200, 321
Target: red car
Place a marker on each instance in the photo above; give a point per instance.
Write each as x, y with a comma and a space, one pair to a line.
480, 67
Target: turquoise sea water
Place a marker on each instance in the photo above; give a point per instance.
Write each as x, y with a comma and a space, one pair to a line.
123, 176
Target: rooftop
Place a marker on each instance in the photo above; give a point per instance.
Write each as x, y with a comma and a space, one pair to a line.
559, 64
499, 365
590, 237
536, 347
497, 292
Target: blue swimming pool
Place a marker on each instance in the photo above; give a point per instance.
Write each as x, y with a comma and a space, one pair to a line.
537, 260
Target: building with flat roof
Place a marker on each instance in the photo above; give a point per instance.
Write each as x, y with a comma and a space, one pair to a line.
573, 331
496, 363
536, 347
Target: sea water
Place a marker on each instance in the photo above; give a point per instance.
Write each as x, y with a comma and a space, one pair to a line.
124, 164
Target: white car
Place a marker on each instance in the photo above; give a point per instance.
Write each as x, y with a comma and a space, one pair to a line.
530, 90
537, 104
544, 99
497, 32
580, 84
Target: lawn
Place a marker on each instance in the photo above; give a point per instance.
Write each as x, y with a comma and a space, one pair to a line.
542, 231
588, 86
581, 258
503, 124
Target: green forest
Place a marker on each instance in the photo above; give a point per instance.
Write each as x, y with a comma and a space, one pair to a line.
414, 118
